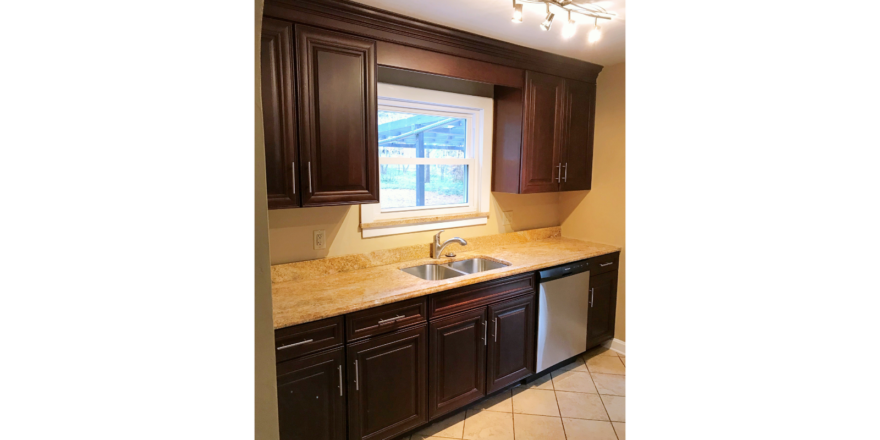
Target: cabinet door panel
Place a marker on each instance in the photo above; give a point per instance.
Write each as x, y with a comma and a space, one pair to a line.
279, 114
311, 404
603, 308
542, 134
457, 360
338, 127
580, 105
511, 354
387, 384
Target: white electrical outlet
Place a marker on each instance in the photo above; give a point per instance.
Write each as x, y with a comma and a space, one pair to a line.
508, 218
320, 241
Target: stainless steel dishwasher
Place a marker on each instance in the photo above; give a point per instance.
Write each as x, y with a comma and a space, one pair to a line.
563, 306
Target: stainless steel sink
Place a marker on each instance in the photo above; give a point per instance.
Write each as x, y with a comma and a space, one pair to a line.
475, 265
451, 270
433, 272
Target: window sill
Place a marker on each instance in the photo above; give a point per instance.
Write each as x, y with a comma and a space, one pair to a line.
405, 225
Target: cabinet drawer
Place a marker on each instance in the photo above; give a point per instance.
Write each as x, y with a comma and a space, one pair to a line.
469, 297
384, 319
307, 338
604, 263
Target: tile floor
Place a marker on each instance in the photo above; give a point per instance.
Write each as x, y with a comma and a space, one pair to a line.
584, 400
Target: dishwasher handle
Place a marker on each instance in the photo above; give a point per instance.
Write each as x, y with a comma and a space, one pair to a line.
557, 272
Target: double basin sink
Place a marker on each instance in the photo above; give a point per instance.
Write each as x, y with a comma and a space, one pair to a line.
451, 270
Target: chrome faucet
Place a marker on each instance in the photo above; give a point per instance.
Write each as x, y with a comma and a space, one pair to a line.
438, 248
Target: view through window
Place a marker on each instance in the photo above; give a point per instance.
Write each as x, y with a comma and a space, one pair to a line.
423, 160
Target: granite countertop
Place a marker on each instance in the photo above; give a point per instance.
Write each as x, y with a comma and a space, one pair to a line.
307, 299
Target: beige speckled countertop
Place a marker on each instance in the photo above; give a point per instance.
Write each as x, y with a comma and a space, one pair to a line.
297, 301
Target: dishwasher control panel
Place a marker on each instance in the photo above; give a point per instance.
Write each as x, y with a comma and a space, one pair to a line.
565, 270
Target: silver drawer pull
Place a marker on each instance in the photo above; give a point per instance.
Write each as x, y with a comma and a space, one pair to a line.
606, 264
485, 330
591, 297
340, 381
383, 321
357, 386
294, 345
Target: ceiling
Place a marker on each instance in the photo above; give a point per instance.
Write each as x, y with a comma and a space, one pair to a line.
492, 19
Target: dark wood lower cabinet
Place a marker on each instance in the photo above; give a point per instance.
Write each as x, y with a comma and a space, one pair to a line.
603, 308
387, 384
511, 347
457, 361
311, 401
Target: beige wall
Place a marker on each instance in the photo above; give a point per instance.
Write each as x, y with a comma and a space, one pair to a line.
265, 400
599, 214
290, 230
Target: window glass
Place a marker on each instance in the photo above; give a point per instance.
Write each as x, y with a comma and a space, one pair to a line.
421, 136
440, 185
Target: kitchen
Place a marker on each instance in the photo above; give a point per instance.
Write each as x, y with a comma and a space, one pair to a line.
446, 223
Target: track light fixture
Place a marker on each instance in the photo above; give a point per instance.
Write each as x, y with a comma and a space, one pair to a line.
570, 27
567, 6
548, 21
595, 34
517, 13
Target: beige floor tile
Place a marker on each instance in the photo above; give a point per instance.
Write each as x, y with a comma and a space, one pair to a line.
578, 429
600, 351
616, 407
537, 402
620, 428
530, 427
450, 427
581, 406
488, 425
501, 402
576, 381
578, 364
610, 384
543, 383
606, 365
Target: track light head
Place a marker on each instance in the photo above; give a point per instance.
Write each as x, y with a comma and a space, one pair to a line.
595, 34
548, 21
570, 27
517, 13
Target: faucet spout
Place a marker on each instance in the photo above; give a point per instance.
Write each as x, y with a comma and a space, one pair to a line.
437, 248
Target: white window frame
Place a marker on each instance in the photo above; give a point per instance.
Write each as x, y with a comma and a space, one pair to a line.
478, 111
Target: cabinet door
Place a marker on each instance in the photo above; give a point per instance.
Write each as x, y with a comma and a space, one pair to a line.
457, 360
387, 384
542, 133
603, 308
511, 354
279, 126
577, 160
339, 140
311, 404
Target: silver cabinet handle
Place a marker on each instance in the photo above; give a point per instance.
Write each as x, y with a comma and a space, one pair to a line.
294, 345
383, 321
606, 264
340, 380
356, 386
310, 177
496, 329
485, 329
293, 176
565, 179
591, 297
558, 172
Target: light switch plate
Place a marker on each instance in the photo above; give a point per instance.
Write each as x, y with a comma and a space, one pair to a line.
320, 241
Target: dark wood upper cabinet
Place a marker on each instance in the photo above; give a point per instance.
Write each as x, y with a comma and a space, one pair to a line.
542, 133
511, 345
457, 361
556, 118
311, 400
338, 130
387, 383
580, 108
279, 113
603, 308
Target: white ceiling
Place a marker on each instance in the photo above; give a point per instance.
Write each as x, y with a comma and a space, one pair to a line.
492, 19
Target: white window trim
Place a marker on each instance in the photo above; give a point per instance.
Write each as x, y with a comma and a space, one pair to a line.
479, 112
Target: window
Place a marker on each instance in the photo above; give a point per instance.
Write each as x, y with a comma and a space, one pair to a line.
434, 161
